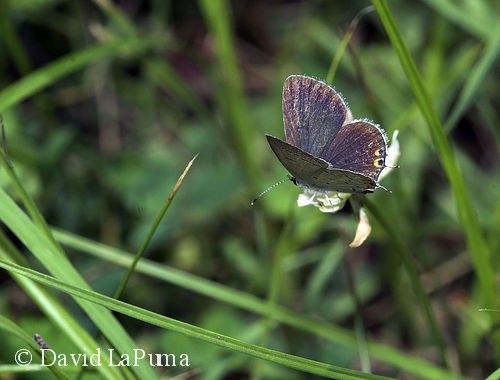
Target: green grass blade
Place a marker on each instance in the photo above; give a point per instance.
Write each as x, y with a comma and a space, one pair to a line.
344, 43
359, 328
405, 255
476, 77
117, 17
494, 376
7, 370
451, 11
163, 75
291, 361
229, 86
152, 230
275, 286
12, 42
10, 327
43, 248
41, 78
53, 309
476, 243
222, 293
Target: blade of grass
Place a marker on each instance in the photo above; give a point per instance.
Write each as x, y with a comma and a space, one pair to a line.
291, 361
118, 17
8, 369
246, 301
344, 43
488, 115
53, 309
411, 269
41, 78
25, 197
12, 42
10, 327
156, 223
322, 273
476, 77
159, 71
50, 254
16, 50
230, 94
359, 329
275, 283
55, 260
451, 11
494, 376
152, 230
162, 74
47, 250
477, 246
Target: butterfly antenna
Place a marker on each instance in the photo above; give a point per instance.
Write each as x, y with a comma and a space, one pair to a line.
272, 187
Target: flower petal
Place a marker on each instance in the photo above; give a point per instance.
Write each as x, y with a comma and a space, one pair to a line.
393, 153
363, 230
326, 201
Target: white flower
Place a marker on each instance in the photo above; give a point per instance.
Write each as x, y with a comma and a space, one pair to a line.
326, 201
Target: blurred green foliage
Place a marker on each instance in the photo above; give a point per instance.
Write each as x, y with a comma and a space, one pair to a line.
104, 103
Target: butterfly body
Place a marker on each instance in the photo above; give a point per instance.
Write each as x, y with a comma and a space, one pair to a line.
325, 149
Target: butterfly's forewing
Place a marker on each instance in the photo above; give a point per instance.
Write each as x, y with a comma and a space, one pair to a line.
313, 113
359, 147
316, 173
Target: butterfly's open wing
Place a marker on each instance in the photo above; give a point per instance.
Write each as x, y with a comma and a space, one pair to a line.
360, 147
313, 113
316, 173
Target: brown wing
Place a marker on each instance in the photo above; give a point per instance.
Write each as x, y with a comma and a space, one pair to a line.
313, 113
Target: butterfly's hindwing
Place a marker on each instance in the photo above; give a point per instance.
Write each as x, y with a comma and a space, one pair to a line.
360, 147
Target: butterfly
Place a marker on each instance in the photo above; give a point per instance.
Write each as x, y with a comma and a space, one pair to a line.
324, 148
